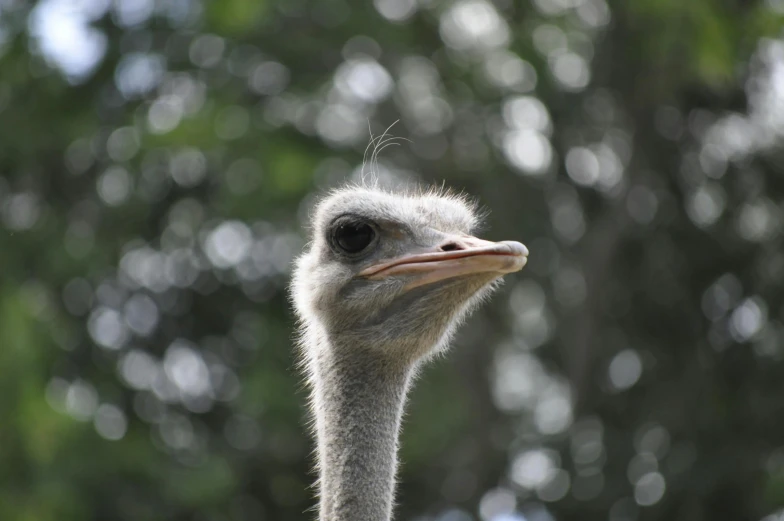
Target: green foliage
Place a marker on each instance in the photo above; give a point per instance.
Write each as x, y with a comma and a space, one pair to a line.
152, 198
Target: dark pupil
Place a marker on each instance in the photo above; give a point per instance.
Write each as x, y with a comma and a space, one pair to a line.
353, 237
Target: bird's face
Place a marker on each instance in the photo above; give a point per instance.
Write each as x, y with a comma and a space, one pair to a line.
392, 270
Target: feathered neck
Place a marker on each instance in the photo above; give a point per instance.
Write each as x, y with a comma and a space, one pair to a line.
358, 396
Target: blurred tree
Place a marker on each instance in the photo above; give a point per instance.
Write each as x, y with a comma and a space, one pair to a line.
157, 160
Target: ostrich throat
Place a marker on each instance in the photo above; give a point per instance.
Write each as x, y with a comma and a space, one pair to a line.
359, 394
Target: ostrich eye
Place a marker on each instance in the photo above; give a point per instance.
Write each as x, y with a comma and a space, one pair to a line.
353, 237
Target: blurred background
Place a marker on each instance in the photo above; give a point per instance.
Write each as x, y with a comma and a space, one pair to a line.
158, 162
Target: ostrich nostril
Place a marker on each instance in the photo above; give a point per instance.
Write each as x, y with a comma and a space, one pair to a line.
451, 246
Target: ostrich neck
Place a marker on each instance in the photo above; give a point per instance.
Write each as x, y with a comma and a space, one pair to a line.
358, 398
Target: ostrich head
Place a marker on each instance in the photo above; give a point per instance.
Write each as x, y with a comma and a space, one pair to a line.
382, 285
396, 272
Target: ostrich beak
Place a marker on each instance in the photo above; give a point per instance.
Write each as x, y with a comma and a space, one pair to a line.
459, 256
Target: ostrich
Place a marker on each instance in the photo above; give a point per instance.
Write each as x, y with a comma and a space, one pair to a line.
381, 288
